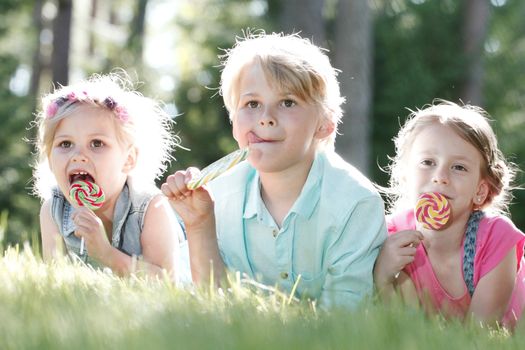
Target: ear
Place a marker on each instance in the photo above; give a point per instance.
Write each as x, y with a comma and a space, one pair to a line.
131, 160
324, 129
481, 193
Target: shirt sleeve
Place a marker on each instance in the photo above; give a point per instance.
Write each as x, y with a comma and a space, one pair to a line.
351, 258
497, 236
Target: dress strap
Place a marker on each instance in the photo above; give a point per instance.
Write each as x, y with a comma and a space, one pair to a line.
470, 249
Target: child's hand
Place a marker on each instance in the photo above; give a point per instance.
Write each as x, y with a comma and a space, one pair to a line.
192, 205
398, 250
90, 227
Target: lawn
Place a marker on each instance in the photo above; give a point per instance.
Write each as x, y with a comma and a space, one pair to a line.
65, 305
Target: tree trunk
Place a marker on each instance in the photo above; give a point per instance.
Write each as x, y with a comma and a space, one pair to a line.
136, 38
353, 56
61, 39
37, 56
476, 20
304, 16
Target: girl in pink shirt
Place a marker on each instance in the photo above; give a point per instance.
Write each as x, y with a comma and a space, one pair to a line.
473, 266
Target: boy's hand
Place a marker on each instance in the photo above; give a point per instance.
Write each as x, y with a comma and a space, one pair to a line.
398, 250
192, 205
90, 227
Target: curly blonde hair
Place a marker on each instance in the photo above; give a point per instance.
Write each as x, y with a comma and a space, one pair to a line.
140, 122
472, 124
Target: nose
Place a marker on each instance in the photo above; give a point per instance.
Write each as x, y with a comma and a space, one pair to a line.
267, 118
440, 176
78, 156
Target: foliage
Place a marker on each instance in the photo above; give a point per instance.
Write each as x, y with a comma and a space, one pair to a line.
63, 305
15, 114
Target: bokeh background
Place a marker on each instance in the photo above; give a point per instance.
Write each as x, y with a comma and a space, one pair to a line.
394, 56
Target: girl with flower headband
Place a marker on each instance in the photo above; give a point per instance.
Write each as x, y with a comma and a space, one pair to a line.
472, 267
102, 131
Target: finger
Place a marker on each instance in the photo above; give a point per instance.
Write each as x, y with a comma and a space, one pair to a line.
406, 238
177, 185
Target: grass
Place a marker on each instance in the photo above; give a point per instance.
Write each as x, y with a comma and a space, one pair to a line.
65, 305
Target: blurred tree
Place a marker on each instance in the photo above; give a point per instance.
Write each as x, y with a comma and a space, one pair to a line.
61, 40
475, 27
304, 16
15, 113
352, 52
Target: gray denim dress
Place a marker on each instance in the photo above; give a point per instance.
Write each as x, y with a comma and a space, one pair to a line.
128, 221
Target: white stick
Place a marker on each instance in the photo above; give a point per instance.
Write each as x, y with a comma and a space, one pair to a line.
82, 246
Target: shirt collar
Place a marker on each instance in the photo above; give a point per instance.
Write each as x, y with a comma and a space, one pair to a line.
305, 203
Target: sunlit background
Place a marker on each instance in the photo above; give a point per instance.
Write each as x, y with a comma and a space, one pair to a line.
394, 55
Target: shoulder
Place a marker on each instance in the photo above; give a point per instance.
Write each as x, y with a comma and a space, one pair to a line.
340, 179
400, 221
497, 235
499, 227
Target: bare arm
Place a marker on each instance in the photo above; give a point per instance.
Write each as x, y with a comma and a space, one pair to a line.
196, 209
493, 291
51, 239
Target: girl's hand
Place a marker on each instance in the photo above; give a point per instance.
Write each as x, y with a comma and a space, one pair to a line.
398, 250
194, 206
90, 227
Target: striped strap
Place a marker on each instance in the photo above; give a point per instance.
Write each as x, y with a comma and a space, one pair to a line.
470, 249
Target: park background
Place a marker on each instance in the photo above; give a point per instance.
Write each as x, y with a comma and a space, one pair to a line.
394, 55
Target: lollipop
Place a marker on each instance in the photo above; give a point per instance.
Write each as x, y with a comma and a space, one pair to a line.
86, 194
432, 210
217, 168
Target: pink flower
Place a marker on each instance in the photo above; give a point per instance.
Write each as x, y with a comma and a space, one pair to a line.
122, 113
52, 109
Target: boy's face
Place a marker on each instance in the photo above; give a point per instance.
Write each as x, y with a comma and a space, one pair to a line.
281, 130
85, 145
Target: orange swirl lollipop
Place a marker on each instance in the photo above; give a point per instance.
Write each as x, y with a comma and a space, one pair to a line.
86, 194
217, 168
432, 211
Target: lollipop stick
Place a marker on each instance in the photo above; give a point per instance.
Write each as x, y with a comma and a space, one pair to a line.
82, 246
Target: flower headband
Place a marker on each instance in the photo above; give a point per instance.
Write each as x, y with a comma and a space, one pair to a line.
108, 102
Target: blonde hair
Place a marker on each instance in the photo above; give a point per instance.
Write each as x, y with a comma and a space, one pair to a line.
471, 123
293, 64
140, 122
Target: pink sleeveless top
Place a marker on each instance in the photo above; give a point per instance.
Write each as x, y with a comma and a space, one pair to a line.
496, 236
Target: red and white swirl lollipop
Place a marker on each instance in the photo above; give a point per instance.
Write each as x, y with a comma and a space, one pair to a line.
86, 194
433, 211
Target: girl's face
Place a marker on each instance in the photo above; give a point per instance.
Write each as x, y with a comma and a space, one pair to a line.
281, 130
441, 161
85, 146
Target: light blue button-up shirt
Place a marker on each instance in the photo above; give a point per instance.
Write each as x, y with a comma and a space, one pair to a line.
330, 237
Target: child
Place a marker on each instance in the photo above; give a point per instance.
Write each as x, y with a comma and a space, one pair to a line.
474, 265
101, 131
295, 212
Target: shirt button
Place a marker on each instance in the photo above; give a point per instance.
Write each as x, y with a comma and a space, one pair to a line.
275, 232
284, 275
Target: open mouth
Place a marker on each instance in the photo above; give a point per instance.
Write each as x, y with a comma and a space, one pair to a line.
80, 175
